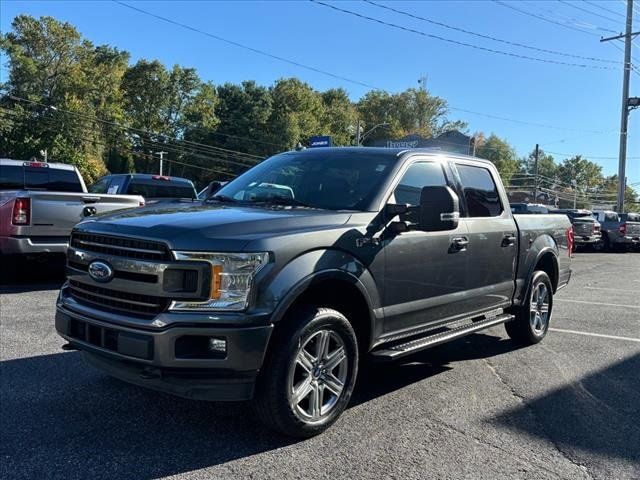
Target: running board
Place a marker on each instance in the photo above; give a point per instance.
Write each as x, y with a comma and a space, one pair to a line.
398, 350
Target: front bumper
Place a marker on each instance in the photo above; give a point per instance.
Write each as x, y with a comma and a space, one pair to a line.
151, 358
33, 245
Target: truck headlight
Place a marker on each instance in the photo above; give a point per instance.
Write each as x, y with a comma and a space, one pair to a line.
231, 279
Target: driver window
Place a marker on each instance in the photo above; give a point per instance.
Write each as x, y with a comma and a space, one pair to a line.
417, 176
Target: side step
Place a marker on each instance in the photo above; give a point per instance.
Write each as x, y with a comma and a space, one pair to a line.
398, 350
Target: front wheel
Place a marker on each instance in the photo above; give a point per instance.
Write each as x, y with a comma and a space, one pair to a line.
308, 376
532, 317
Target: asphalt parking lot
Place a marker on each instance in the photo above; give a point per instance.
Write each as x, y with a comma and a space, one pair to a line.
475, 408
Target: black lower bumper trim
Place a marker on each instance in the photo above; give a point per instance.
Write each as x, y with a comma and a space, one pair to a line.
213, 385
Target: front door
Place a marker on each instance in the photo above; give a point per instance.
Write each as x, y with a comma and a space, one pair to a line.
425, 271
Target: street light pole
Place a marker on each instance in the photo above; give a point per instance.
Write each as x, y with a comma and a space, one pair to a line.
367, 133
624, 119
161, 158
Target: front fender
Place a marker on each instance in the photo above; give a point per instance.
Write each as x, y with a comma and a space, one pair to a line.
287, 284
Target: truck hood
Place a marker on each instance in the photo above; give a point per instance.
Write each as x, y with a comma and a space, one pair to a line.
203, 226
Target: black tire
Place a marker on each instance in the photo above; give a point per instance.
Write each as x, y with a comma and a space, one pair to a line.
273, 401
606, 243
525, 328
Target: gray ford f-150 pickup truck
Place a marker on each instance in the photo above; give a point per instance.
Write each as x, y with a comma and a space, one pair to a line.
275, 287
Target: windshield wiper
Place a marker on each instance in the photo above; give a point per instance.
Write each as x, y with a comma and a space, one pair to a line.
284, 201
223, 198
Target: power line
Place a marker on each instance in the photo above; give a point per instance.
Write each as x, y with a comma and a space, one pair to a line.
588, 156
124, 127
245, 47
488, 37
456, 42
521, 122
588, 11
580, 23
545, 19
604, 8
148, 142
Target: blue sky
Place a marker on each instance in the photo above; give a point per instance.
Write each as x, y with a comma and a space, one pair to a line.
577, 100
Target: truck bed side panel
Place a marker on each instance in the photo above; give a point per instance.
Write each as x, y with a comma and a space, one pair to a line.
540, 235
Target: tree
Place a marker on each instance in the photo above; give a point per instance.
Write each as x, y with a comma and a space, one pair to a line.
583, 172
162, 106
338, 116
501, 154
296, 114
547, 166
413, 111
69, 82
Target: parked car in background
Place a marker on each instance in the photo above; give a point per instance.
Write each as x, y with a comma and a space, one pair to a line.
529, 208
619, 231
41, 202
586, 229
153, 188
276, 286
632, 218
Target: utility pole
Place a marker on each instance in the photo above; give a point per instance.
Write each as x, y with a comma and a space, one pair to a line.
358, 133
625, 102
161, 158
535, 173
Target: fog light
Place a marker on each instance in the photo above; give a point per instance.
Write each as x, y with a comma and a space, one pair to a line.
217, 345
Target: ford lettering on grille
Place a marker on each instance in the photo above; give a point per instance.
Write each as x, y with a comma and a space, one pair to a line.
100, 271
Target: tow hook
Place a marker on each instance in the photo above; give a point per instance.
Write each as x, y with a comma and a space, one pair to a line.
150, 373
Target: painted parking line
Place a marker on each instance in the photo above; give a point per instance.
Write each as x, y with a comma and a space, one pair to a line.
596, 303
611, 289
591, 334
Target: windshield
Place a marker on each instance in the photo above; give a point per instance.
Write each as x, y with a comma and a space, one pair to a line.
346, 181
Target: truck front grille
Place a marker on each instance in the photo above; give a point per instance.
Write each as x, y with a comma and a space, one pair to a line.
120, 246
145, 306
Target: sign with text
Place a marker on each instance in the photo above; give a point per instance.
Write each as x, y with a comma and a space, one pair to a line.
320, 141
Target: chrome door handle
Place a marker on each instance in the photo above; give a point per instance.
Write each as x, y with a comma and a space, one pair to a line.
459, 243
508, 240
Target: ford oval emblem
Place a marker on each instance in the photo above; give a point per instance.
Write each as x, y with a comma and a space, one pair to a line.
100, 271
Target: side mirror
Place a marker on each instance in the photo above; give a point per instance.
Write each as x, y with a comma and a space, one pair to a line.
439, 209
212, 188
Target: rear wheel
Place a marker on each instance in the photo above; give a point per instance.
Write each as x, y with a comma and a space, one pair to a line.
308, 376
532, 317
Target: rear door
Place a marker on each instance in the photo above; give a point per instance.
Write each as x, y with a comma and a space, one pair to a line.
424, 274
493, 237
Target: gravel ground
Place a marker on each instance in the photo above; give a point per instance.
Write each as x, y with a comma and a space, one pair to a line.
475, 408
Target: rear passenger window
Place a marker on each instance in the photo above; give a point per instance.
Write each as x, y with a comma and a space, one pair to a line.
417, 176
64, 181
480, 191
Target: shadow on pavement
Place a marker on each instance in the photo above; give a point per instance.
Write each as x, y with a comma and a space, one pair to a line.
599, 415
28, 275
63, 419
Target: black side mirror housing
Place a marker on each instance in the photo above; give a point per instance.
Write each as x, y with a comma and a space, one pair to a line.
212, 188
439, 209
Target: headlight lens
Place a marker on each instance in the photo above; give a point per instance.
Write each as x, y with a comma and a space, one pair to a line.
231, 279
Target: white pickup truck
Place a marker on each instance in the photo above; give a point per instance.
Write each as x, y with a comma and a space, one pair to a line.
41, 202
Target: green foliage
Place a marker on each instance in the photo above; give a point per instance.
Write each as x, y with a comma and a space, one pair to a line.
501, 154
547, 166
411, 111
